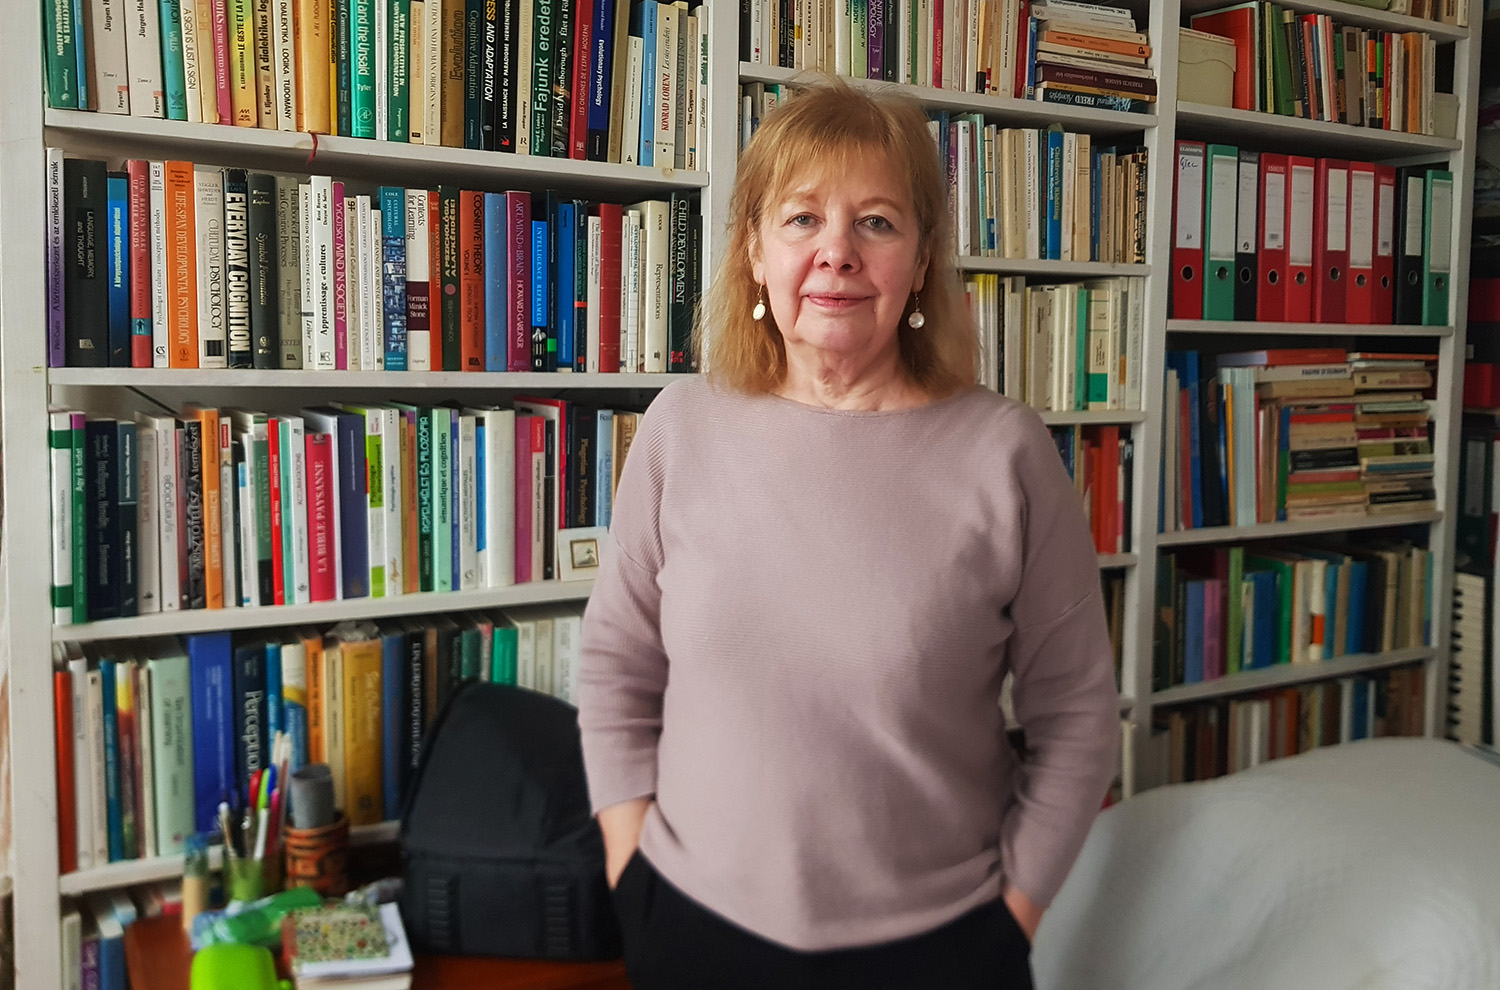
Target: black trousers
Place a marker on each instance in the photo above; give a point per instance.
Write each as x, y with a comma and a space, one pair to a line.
674, 943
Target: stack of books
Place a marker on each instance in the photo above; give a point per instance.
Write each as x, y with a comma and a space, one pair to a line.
1391, 423
1089, 55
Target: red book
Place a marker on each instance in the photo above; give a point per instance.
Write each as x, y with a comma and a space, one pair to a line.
435, 279
1238, 25
67, 808
518, 300
139, 172
278, 583
1383, 309
1023, 31
1299, 245
1359, 304
611, 219
937, 43
1270, 295
1109, 480
556, 411
1330, 240
471, 280
1272, 357
1187, 231
321, 535
583, 65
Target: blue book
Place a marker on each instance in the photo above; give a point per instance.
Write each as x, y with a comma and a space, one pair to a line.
115, 824
1185, 363
250, 745
643, 26
1192, 660
1359, 575
539, 296
393, 720
604, 467
1360, 703
1052, 231
566, 221
495, 282
174, 83
1030, 57
1096, 194
275, 704
211, 674
1283, 450
601, 69
393, 274
127, 473
111, 944
294, 715
117, 243
1267, 603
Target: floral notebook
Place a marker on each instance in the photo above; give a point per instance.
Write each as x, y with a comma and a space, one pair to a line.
346, 940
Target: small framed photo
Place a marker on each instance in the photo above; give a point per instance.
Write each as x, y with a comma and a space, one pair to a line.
579, 551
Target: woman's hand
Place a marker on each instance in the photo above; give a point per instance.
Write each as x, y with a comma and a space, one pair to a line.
621, 824
1025, 911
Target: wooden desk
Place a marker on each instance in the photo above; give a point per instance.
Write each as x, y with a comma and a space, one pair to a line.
158, 957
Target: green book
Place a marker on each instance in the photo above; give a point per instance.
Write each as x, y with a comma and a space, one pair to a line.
543, 67
171, 746
62, 54
1234, 629
503, 650
440, 425
469, 652
398, 85
362, 72
1285, 587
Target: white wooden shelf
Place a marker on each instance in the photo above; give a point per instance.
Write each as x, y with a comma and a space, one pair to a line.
1093, 417
1283, 675
299, 152
995, 108
1304, 137
128, 872
1344, 12
211, 620
443, 381
1279, 530
1049, 268
1110, 560
1307, 329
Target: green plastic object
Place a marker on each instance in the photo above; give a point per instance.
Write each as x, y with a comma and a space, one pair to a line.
234, 967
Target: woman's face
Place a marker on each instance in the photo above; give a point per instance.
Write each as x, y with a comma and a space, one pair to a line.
839, 257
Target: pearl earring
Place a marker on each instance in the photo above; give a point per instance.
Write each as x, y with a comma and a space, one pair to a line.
759, 312
916, 320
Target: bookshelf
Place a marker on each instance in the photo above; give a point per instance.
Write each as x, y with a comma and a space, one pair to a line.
27, 386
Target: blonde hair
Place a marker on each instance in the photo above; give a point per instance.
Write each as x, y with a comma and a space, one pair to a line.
827, 126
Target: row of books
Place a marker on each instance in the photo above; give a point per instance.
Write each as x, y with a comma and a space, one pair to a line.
1311, 66
1211, 739
152, 735
242, 508
167, 264
93, 932
1300, 433
1224, 610
1059, 51
1065, 347
1022, 192
1100, 461
602, 80
1273, 237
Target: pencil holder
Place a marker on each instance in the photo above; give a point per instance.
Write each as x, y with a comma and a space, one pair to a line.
317, 857
244, 879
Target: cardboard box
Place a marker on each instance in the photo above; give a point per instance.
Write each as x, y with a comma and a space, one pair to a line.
1205, 68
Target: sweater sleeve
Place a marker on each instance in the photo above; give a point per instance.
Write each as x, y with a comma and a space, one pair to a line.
622, 671
1064, 690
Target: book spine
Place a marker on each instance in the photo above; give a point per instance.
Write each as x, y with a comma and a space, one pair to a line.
495, 352
560, 109
117, 268
250, 711
426, 552
518, 309
263, 233
393, 276
467, 551
57, 272
208, 212
60, 462
103, 568
398, 71
343, 215
237, 295
680, 319
218, 459
138, 243
110, 711
362, 69
85, 204
283, 36
442, 500
581, 88
278, 527
562, 233
127, 752
194, 520
322, 273
127, 476
321, 538
107, 79
544, 65
418, 282
394, 758
155, 217
471, 281
181, 268
353, 505
62, 32
539, 295
314, 22
449, 274
240, 37
375, 516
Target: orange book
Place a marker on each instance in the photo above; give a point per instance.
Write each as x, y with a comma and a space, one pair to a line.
1113, 46
362, 731
314, 65
316, 745
182, 266
213, 535
67, 808
471, 280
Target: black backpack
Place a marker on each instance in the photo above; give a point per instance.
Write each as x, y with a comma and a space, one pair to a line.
501, 854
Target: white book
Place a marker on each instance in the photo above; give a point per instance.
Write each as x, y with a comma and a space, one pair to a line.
546, 652
265, 68
294, 448
60, 463
664, 136
418, 342
284, 64
94, 731
143, 59
157, 184
72, 947
655, 255
1033, 166
381, 40
227, 509
630, 141
1014, 341
595, 291
1069, 169
83, 768
247, 493
964, 133
191, 76
320, 244
525, 625
208, 213
432, 86
567, 630
145, 759
701, 90
305, 252
468, 504
630, 285
168, 508
687, 88
354, 307
499, 497
374, 279
416, 82
148, 535
108, 73
1135, 334
395, 491
523, 78
757, 34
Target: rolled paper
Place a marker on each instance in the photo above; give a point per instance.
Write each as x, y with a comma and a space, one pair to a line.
312, 796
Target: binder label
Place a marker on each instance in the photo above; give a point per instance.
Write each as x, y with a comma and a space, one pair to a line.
1245, 223
1338, 209
1221, 227
1439, 252
1300, 250
1190, 190
1275, 210
1385, 224
1413, 242
1361, 223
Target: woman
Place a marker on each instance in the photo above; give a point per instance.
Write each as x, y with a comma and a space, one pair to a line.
825, 559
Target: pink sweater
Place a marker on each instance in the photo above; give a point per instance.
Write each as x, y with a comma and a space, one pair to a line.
796, 645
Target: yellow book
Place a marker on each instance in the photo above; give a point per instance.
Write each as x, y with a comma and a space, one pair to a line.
333, 718
243, 95
362, 730
314, 55
317, 751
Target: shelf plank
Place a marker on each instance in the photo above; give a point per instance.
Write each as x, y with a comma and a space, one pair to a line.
130, 872
1278, 530
113, 136
212, 620
1283, 675
1049, 268
1108, 560
1093, 417
1308, 137
1306, 329
1006, 108
1352, 14
449, 381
